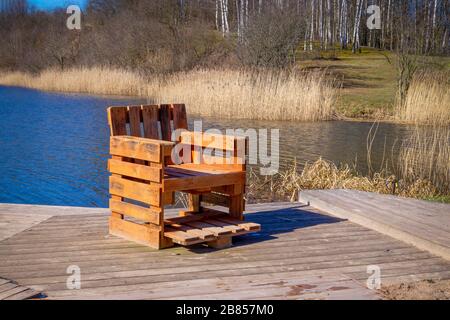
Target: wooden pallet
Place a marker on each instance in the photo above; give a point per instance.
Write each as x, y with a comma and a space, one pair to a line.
146, 173
10, 290
207, 227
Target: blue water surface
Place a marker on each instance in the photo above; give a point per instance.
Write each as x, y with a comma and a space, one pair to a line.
53, 148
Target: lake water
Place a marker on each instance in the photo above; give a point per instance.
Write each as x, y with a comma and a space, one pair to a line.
54, 147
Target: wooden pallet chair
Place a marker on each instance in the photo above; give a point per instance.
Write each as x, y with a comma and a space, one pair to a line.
144, 179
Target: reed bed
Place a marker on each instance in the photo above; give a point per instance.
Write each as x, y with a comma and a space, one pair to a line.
323, 174
243, 94
246, 94
427, 100
425, 155
96, 80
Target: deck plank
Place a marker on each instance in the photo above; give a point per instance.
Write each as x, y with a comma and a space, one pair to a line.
10, 290
300, 253
423, 224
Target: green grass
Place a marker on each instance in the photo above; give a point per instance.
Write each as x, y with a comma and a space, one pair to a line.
442, 199
368, 78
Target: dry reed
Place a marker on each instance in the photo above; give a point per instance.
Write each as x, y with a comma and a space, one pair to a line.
323, 174
244, 94
84, 80
425, 155
427, 100
266, 95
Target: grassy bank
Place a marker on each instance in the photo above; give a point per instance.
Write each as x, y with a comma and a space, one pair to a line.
263, 95
369, 79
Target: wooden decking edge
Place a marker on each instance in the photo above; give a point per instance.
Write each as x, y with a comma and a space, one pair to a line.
421, 243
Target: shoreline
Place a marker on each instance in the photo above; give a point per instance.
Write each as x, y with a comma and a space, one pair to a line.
273, 95
123, 97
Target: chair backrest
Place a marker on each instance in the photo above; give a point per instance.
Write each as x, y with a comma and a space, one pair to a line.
148, 121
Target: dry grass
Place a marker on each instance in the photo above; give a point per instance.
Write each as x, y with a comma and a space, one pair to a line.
420, 290
323, 174
93, 80
420, 170
263, 95
425, 155
241, 94
427, 100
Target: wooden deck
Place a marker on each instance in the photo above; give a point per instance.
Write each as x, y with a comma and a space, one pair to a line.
300, 253
423, 224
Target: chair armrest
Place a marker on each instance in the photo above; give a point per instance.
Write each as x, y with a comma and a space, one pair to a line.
234, 148
140, 148
217, 141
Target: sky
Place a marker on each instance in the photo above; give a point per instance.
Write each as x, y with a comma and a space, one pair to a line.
52, 4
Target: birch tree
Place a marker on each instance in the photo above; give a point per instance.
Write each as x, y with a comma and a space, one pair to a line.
356, 43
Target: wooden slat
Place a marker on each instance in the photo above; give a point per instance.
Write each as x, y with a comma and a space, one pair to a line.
143, 234
232, 227
117, 118
168, 198
150, 173
217, 199
226, 161
202, 234
203, 181
387, 216
10, 290
181, 237
150, 121
7, 286
249, 226
135, 190
137, 148
26, 294
179, 117
8, 293
217, 231
213, 141
293, 250
134, 114
193, 217
164, 111
152, 215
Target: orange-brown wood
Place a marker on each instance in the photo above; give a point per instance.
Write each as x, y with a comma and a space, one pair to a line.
150, 121
139, 171
151, 214
145, 234
165, 122
136, 148
143, 192
179, 117
134, 115
142, 170
117, 118
220, 243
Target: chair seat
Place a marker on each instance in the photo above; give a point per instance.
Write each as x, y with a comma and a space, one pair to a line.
189, 176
